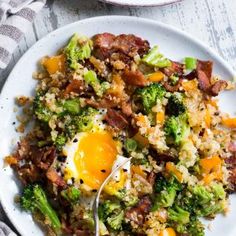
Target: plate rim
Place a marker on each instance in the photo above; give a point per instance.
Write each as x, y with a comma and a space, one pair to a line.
155, 23
130, 4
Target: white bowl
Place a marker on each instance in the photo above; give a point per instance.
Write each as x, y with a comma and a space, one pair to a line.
173, 43
140, 2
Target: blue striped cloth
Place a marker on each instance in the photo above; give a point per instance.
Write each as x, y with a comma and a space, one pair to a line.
15, 18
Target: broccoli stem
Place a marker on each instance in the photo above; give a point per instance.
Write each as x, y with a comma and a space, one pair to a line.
34, 198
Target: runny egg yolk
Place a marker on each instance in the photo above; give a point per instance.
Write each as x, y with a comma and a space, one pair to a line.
94, 158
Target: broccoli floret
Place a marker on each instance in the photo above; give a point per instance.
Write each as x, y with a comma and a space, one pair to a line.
176, 129
164, 199
107, 208
211, 209
90, 78
167, 191
81, 123
175, 106
40, 110
149, 96
202, 195
72, 106
71, 194
218, 191
130, 145
128, 199
111, 212
78, 48
115, 221
193, 228
155, 58
179, 215
34, 199
60, 141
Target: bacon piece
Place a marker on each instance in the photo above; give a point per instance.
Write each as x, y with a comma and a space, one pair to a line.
130, 44
126, 108
36, 161
175, 68
116, 119
137, 214
204, 73
75, 86
28, 173
217, 87
231, 166
43, 157
104, 40
106, 44
105, 102
192, 75
135, 78
55, 178
161, 157
151, 178
172, 88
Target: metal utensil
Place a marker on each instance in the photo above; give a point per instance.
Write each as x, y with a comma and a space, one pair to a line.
96, 201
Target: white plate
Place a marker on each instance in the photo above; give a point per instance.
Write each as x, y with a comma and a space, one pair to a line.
141, 2
173, 43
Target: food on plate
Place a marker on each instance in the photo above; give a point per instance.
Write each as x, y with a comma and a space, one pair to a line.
104, 99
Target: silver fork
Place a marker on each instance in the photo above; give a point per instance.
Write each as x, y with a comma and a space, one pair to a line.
96, 201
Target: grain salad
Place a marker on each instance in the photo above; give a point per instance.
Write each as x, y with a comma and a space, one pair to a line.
104, 99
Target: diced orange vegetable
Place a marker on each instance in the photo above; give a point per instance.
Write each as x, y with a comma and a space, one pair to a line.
10, 160
171, 168
207, 179
137, 170
143, 141
167, 232
208, 118
211, 169
210, 164
54, 64
189, 85
141, 119
160, 117
229, 122
156, 77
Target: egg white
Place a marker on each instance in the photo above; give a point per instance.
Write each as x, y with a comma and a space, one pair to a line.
71, 147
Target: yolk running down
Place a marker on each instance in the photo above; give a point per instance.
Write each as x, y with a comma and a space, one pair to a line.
94, 158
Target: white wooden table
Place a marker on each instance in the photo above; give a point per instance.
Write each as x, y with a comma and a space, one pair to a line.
211, 21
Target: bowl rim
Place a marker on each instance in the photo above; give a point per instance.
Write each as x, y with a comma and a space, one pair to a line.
130, 4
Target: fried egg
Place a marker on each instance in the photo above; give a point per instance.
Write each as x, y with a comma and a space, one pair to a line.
91, 156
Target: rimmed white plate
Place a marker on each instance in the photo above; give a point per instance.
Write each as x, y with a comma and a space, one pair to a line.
141, 2
173, 43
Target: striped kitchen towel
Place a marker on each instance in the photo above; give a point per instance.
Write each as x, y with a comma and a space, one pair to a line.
15, 18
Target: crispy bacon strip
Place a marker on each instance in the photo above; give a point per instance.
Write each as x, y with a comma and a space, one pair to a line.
137, 214
217, 87
55, 178
175, 68
106, 44
75, 86
116, 119
135, 78
231, 166
172, 88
